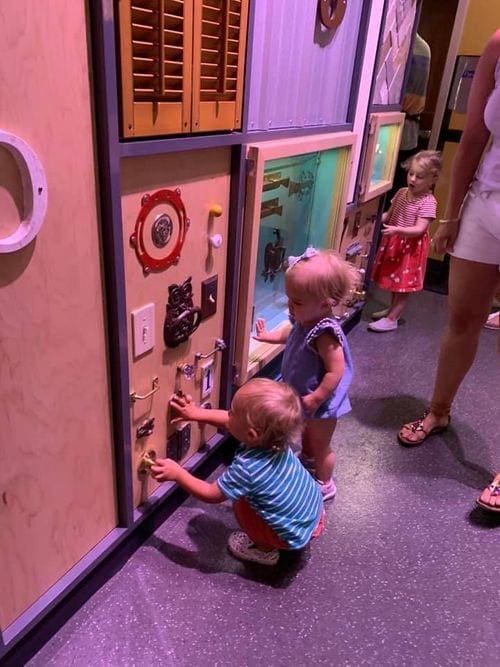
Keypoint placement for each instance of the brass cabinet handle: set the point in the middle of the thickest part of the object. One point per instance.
(134, 396)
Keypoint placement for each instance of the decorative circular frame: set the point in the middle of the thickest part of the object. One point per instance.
(332, 12)
(34, 193)
(149, 202)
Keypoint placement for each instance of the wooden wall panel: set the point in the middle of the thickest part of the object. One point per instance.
(300, 75)
(156, 63)
(203, 179)
(219, 42)
(182, 65)
(56, 473)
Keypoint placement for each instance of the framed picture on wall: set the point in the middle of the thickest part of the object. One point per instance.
(381, 154)
(394, 51)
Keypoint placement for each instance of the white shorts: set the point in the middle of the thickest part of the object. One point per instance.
(478, 237)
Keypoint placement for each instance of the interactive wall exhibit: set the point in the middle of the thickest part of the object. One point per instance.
(220, 154)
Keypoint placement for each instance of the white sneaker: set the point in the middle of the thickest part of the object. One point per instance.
(379, 314)
(242, 547)
(385, 324)
(328, 489)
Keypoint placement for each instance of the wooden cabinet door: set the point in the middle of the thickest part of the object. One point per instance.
(296, 194)
(182, 65)
(219, 39)
(156, 63)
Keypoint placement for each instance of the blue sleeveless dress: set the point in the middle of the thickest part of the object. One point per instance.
(303, 368)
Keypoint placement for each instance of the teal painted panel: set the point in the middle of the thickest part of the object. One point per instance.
(297, 201)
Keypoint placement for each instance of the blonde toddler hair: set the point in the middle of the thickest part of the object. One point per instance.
(274, 410)
(428, 161)
(323, 276)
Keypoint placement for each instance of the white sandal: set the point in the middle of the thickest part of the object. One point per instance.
(493, 321)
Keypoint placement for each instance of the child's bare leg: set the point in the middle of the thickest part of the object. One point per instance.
(399, 301)
(316, 440)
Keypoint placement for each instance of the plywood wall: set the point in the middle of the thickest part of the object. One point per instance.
(203, 179)
(56, 464)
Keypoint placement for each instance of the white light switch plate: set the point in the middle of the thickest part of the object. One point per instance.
(143, 327)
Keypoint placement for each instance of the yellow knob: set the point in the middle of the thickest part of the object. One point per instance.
(216, 210)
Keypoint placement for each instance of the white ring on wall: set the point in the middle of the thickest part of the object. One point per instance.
(34, 193)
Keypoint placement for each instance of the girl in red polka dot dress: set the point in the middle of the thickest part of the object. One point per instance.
(402, 255)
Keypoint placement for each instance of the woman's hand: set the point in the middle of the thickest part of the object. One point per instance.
(445, 235)
(165, 470)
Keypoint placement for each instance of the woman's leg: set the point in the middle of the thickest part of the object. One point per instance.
(399, 301)
(316, 440)
(471, 287)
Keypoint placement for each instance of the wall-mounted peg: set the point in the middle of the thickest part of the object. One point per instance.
(215, 240)
(216, 210)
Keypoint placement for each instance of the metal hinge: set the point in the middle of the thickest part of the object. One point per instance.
(249, 165)
(235, 373)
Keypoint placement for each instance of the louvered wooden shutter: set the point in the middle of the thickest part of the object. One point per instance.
(156, 53)
(219, 40)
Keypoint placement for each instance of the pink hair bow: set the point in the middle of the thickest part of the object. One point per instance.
(307, 254)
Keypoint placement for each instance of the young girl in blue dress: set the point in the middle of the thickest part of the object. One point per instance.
(316, 361)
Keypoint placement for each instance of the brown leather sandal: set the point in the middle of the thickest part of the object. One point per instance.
(417, 427)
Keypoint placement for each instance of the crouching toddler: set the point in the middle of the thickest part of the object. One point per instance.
(275, 500)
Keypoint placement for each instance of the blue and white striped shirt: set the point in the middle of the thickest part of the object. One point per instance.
(279, 489)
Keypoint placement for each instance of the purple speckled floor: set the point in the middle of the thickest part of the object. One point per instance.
(406, 573)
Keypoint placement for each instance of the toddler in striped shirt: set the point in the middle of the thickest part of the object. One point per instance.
(275, 500)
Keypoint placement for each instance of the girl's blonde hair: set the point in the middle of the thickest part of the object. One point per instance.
(428, 161)
(323, 276)
(274, 410)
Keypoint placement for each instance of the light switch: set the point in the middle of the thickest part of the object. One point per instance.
(143, 326)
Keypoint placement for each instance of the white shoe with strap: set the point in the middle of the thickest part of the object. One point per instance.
(385, 324)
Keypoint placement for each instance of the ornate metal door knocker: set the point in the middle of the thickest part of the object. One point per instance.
(332, 12)
(274, 257)
(166, 232)
(182, 317)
